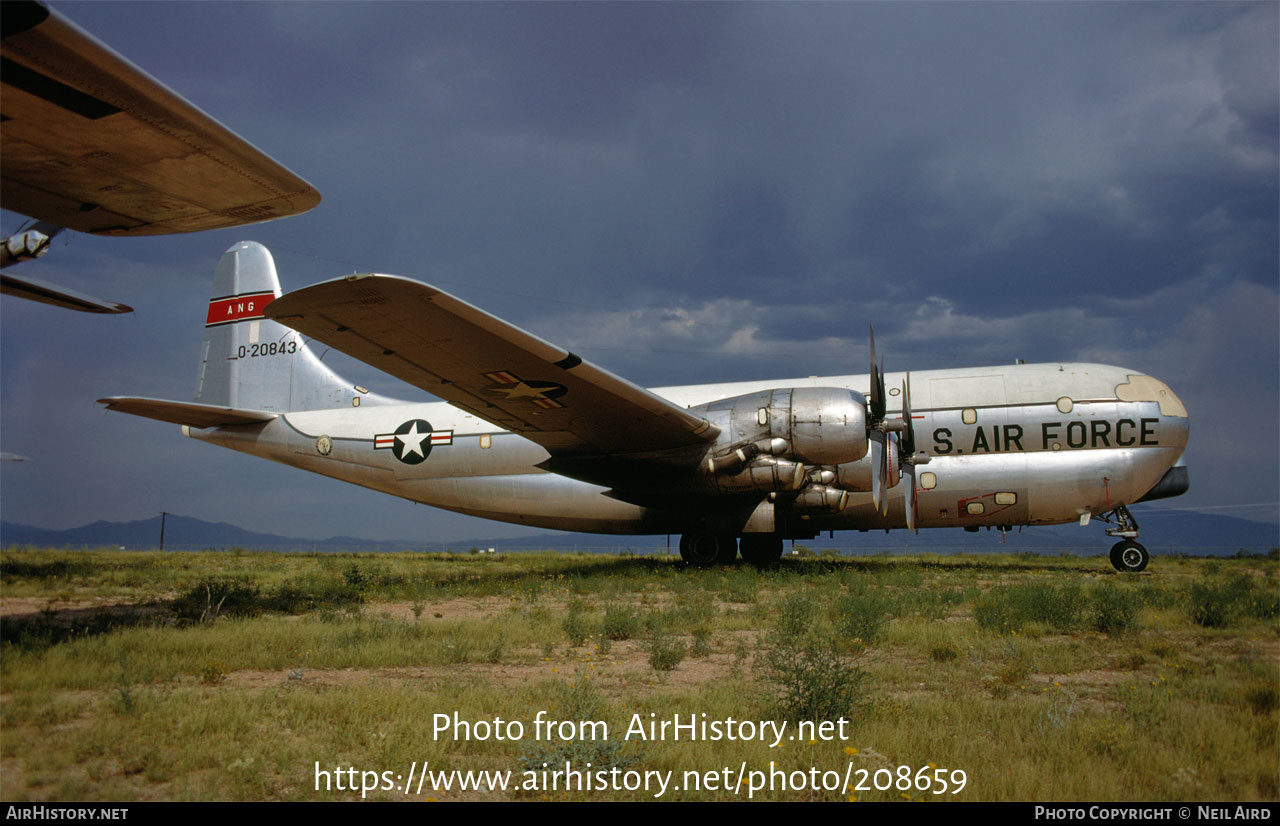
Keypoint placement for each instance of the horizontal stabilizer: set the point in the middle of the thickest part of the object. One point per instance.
(187, 413)
(495, 370)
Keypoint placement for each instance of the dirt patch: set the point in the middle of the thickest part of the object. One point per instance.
(60, 619)
(460, 608)
(12, 607)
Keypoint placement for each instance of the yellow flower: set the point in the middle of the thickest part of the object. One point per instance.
(850, 750)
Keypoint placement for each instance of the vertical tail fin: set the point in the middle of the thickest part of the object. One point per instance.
(248, 362)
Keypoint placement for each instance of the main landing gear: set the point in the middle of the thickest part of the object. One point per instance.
(1127, 556)
(702, 550)
(761, 550)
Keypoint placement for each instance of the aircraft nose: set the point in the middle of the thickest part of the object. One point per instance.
(1141, 388)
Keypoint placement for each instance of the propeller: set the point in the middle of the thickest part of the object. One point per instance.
(908, 439)
(892, 443)
(877, 439)
(877, 384)
(876, 433)
(881, 432)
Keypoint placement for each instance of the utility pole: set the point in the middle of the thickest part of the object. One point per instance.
(163, 514)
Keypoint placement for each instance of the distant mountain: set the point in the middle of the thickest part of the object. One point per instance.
(179, 532)
(1164, 531)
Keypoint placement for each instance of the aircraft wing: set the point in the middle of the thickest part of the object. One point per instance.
(488, 367)
(90, 142)
(188, 413)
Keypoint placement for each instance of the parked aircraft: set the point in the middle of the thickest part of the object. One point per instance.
(90, 142)
(533, 434)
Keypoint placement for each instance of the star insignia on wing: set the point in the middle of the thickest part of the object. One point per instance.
(510, 386)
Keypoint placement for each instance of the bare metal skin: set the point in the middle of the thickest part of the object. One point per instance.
(532, 434)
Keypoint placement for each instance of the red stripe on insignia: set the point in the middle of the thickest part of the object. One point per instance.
(238, 308)
(445, 438)
(384, 441)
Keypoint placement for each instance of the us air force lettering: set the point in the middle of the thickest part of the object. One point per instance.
(533, 434)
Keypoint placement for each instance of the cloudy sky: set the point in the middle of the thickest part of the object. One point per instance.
(689, 193)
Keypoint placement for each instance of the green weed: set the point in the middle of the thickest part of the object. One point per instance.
(806, 672)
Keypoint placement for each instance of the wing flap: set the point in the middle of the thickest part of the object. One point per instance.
(186, 413)
(488, 367)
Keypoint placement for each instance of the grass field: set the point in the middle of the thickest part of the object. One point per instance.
(247, 676)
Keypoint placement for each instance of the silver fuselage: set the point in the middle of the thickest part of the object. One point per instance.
(1032, 444)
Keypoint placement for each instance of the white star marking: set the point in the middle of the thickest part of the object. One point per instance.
(412, 441)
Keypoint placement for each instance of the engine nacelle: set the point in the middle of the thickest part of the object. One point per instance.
(810, 425)
(854, 476)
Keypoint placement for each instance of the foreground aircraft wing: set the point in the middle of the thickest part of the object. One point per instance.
(488, 367)
(90, 142)
(36, 290)
(187, 413)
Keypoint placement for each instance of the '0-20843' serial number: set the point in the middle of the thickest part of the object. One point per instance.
(272, 348)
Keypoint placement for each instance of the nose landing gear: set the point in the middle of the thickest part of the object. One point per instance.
(1127, 556)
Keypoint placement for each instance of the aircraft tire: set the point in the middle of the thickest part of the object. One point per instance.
(702, 550)
(1128, 557)
(762, 551)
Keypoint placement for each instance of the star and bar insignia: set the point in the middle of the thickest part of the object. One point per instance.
(511, 386)
(412, 441)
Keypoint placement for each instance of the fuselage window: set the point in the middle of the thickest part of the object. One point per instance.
(975, 508)
(485, 440)
(928, 480)
(969, 415)
(1006, 498)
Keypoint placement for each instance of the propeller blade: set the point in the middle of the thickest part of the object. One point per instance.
(877, 468)
(909, 479)
(909, 432)
(893, 462)
(877, 383)
(880, 387)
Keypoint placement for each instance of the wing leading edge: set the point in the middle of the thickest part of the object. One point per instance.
(488, 367)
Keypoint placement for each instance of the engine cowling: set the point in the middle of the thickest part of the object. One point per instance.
(810, 425)
(854, 476)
